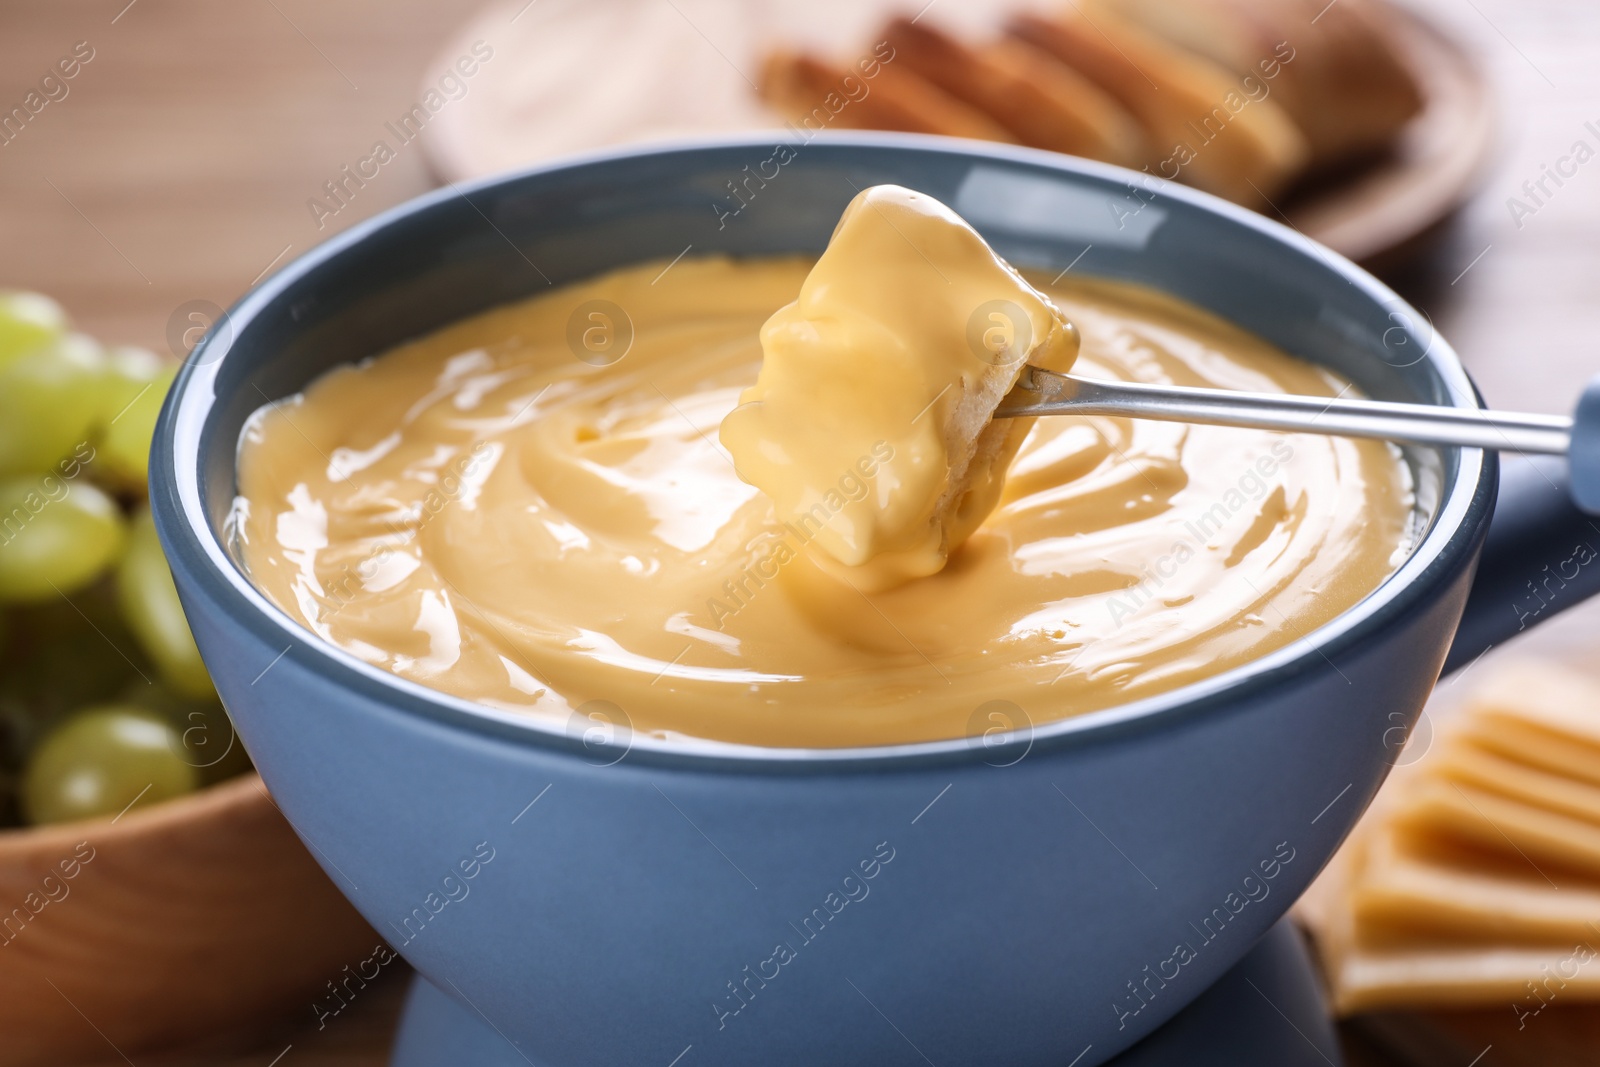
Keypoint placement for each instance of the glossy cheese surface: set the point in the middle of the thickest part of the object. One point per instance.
(531, 509)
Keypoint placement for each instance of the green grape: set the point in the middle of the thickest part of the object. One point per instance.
(9, 816)
(149, 603)
(48, 402)
(100, 761)
(28, 321)
(69, 651)
(56, 536)
(124, 449)
(209, 741)
(17, 729)
(57, 673)
(127, 371)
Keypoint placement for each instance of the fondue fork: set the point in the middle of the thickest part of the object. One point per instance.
(1042, 392)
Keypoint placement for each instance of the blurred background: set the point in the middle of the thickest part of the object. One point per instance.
(197, 147)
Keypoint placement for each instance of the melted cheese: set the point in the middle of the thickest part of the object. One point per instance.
(489, 511)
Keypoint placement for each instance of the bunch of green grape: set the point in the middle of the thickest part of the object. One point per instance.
(104, 701)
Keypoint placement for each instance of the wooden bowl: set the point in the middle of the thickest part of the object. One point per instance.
(189, 917)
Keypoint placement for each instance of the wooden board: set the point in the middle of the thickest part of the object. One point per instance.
(577, 75)
(1378, 213)
(1560, 1036)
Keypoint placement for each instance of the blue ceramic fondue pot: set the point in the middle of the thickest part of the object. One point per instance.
(1040, 897)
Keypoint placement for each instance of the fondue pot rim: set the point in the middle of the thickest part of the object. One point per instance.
(1448, 545)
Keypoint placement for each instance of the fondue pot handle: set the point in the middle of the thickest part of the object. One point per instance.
(1584, 450)
(1542, 554)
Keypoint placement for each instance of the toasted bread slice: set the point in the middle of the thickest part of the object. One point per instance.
(1205, 130)
(1044, 103)
(1333, 67)
(816, 95)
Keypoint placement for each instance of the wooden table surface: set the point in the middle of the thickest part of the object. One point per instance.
(179, 165)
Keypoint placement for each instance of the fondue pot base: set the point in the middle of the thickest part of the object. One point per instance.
(1268, 1011)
